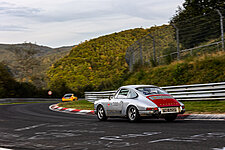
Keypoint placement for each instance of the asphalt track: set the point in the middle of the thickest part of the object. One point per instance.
(34, 126)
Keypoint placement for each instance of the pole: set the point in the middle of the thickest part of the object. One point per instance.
(221, 26)
(141, 55)
(177, 37)
(131, 60)
(154, 52)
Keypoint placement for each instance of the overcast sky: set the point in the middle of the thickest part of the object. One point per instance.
(58, 23)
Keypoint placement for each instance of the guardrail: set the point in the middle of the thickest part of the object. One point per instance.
(194, 92)
(93, 96)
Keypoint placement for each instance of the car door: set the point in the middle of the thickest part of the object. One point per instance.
(116, 104)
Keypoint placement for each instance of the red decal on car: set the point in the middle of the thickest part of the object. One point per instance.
(163, 100)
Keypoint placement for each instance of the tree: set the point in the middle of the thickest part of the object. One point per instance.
(198, 21)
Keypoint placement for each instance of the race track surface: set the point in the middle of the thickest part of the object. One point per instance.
(34, 126)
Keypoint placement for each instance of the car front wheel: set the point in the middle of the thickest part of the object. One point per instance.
(133, 114)
(101, 113)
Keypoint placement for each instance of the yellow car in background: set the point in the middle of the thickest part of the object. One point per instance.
(69, 97)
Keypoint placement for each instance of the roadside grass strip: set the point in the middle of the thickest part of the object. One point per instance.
(81, 104)
(204, 107)
(17, 103)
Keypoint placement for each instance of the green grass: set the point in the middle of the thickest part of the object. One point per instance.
(14, 103)
(81, 104)
(191, 107)
(204, 106)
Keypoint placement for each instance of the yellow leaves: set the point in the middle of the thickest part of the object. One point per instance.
(103, 57)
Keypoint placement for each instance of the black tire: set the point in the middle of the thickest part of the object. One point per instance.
(101, 113)
(133, 114)
(170, 117)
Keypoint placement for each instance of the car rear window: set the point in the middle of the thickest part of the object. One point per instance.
(151, 90)
(68, 95)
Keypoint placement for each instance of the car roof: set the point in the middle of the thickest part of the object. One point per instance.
(137, 86)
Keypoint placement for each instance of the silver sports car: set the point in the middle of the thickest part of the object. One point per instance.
(139, 101)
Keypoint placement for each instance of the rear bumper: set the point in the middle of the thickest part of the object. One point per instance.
(145, 113)
(158, 112)
(66, 100)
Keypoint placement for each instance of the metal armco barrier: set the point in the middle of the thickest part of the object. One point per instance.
(93, 96)
(194, 92)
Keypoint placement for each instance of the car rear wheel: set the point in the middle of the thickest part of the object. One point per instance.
(101, 113)
(133, 114)
(170, 117)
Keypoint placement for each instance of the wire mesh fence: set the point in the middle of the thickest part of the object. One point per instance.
(167, 43)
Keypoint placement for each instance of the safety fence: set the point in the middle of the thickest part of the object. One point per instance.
(179, 40)
(195, 92)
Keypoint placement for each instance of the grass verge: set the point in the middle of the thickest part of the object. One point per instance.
(81, 104)
(210, 107)
(199, 107)
(14, 103)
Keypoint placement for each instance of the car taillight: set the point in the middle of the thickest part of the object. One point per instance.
(183, 107)
(155, 108)
(149, 108)
(63, 97)
(152, 108)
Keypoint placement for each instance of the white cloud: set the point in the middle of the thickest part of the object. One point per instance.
(56, 22)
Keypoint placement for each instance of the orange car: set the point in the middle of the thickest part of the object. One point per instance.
(69, 97)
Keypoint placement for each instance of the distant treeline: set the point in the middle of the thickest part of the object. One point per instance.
(10, 88)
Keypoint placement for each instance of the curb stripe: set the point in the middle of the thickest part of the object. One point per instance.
(64, 108)
(54, 107)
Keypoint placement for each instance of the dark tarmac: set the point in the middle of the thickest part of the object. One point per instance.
(34, 126)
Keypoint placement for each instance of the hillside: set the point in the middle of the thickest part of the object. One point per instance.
(208, 68)
(98, 64)
(28, 62)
